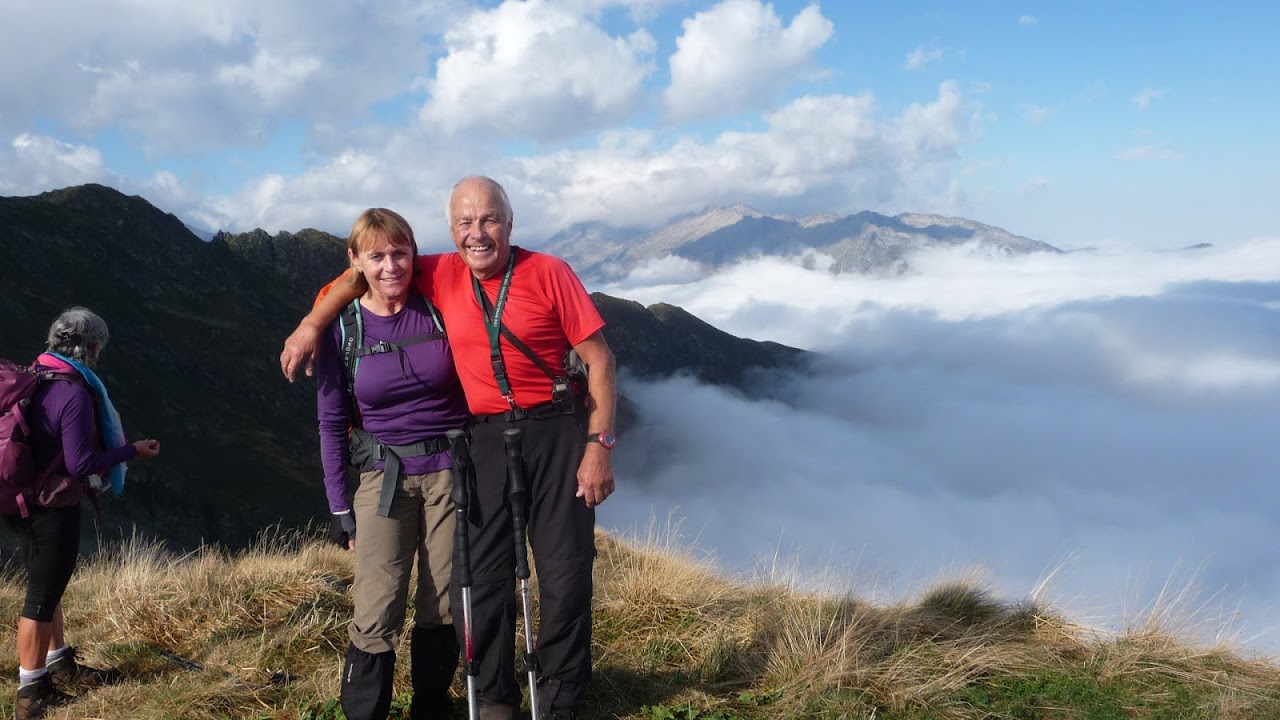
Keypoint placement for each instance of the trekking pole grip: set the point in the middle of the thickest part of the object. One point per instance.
(518, 495)
(461, 496)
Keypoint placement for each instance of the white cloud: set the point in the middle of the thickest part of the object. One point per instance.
(270, 78)
(194, 76)
(1028, 20)
(330, 196)
(738, 56)
(40, 162)
(1107, 408)
(954, 285)
(921, 56)
(533, 70)
(1140, 153)
(1143, 99)
(817, 154)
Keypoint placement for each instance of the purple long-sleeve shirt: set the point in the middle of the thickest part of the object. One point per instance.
(400, 404)
(65, 420)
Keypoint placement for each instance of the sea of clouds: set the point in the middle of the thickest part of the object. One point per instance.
(1096, 429)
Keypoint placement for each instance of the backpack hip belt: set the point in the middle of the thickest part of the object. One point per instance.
(367, 451)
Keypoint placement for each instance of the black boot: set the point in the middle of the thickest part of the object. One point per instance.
(559, 700)
(67, 672)
(36, 698)
(434, 660)
(366, 684)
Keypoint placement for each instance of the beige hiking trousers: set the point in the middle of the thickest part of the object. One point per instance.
(421, 523)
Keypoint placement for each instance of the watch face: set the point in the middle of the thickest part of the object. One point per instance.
(608, 439)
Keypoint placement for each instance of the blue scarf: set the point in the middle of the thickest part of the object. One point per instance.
(108, 420)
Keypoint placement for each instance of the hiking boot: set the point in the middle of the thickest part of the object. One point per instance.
(434, 657)
(67, 673)
(367, 684)
(35, 698)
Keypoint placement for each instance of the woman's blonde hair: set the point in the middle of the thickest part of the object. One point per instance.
(383, 223)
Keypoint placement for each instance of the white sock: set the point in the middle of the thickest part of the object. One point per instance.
(55, 654)
(26, 677)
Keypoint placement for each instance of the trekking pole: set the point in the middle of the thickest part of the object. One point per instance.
(518, 494)
(462, 471)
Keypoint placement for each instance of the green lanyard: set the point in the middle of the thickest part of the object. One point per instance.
(493, 324)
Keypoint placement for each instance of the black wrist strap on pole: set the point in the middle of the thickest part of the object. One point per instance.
(461, 496)
(518, 494)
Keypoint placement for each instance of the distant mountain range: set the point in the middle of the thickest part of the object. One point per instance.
(196, 330)
(867, 242)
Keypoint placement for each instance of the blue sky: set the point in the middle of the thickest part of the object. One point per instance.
(1078, 124)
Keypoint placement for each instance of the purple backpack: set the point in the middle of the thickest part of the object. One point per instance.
(20, 483)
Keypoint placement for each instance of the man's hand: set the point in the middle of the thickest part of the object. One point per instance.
(300, 351)
(595, 475)
(300, 348)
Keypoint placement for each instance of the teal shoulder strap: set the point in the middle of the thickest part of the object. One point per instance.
(352, 340)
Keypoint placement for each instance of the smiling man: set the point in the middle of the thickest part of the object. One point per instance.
(538, 300)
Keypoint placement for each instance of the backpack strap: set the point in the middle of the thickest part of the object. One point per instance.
(352, 339)
(519, 345)
(45, 374)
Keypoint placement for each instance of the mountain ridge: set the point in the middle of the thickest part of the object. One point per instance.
(865, 242)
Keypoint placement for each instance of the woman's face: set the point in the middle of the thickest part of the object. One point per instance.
(386, 267)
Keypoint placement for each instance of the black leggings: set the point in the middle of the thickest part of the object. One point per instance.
(49, 544)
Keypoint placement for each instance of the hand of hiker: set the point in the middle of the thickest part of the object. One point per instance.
(147, 449)
(595, 475)
(299, 352)
(342, 530)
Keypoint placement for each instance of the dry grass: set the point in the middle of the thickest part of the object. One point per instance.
(267, 628)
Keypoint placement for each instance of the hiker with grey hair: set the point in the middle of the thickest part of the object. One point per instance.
(76, 442)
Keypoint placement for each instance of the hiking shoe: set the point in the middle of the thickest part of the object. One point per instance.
(35, 698)
(66, 672)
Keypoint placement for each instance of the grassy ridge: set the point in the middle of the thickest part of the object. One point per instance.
(259, 634)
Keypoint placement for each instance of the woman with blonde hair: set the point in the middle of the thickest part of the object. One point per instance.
(387, 393)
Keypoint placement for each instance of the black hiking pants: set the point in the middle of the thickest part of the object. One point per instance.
(561, 534)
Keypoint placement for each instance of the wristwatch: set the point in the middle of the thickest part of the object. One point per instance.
(605, 437)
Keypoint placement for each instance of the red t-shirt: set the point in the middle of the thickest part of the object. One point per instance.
(547, 308)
